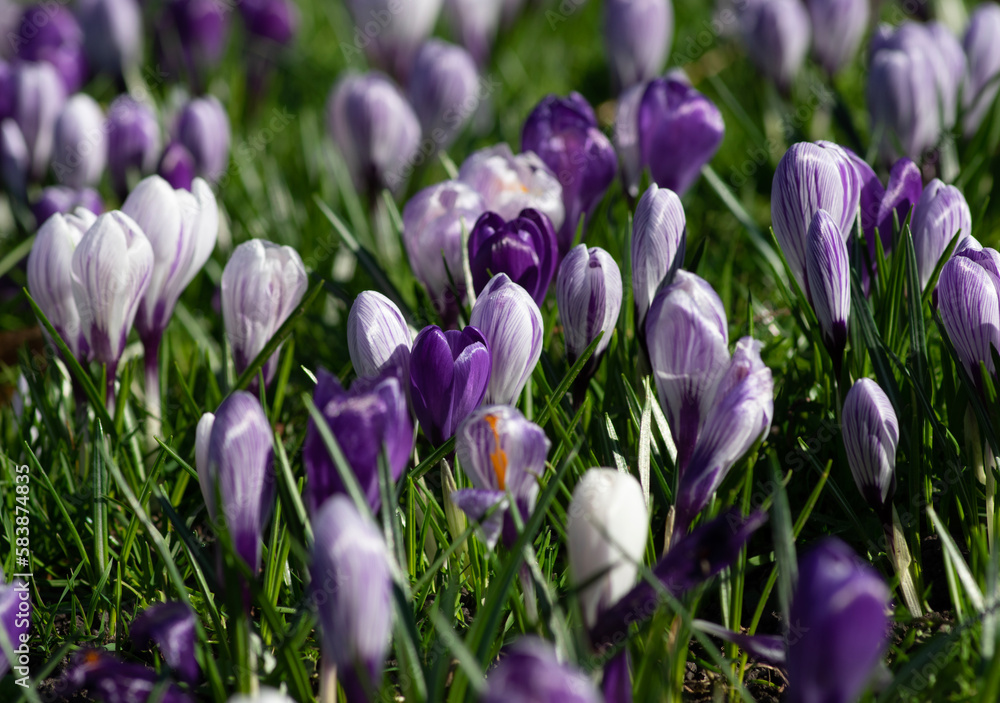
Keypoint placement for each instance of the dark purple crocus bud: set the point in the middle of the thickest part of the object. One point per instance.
(375, 130)
(968, 301)
(443, 90)
(391, 32)
(679, 132)
(63, 200)
(828, 271)
(177, 166)
(50, 33)
(659, 238)
(871, 433)
(637, 37)
(133, 141)
(840, 616)
(171, 626)
(38, 99)
(201, 28)
(203, 128)
(15, 620)
(589, 295)
(378, 338)
(524, 248)
(939, 215)
(776, 36)
(903, 102)
(983, 53)
(449, 374)
(837, 29)
(564, 134)
(106, 676)
(370, 418)
(474, 24)
(530, 672)
(113, 33)
(351, 586)
(276, 20)
(81, 151)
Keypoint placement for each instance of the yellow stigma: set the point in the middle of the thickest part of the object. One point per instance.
(498, 457)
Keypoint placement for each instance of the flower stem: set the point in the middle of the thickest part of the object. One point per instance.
(109, 394)
(328, 681)
(153, 423)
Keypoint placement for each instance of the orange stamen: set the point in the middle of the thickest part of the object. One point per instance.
(498, 457)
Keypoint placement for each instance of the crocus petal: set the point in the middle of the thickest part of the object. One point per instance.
(659, 238)
(829, 276)
(530, 672)
(476, 504)
(172, 627)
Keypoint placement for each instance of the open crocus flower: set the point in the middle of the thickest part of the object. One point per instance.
(172, 627)
(530, 672)
(524, 248)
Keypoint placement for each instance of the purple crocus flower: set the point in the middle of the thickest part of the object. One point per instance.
(512, 324)
(837, 29)
(902, 102)
(530, 672)
(839, 614)
(15, 621)
(171, 626)
(113, 681)
(203, 128)
(443, 90)
(871, 433)
(499, 451)
(679, 132)
(351, 586)
(80, 150)
(50, 33)
(983, 53)
(829, 275)
(378, 338)
(475, 24)
(939, 215)
(366, 420)
(637, 37)
(449, 374)
(133, 141)
(196, 34)
(113, 33)
(589, 294)
(563, 132)
(391, 32)
(659, 238)
(275, 20)
(63, 200)
(37, 99)
(967, 294)
(524, 248)
(880, 206)
(177, 166)
(776, 36)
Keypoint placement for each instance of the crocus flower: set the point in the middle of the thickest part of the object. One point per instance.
(659, 238)
(351, 587)
(512, 324)
(903, 102)
(637, 37)
(171, 626)
(880, 207)
(375, 129)
(274, 20)
(63, 200)
(38, 97)
(968, 293)
(443, 90)
(688, 339)
(983, 54)
(15, 621)
(871, 433)
(829, 276)
(81, 151)
(530, 672)
(194, 32)
(50, 278)
(449, 374)
(177, 166)
(203, 128)
(509, 184)
(524, 248)
(114, 681)
(812, 177)
(261, 285)
(50, 33)
(391, 32)
(589, 294)
(776, 36)
(112, 34)
(839, 614)
(370, 418)
(235, 457)
(837, 29)
(475, 24)
(679, 132)
(607, 525)
(377, 337)
(15, 161)
(133, 141)
(939, 215)
(563, 132)
(499, 451)
(626, 137)
(433, 224)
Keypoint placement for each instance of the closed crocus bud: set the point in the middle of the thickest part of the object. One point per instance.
(443, 90)
(39, 97)
(967, 299)
(391, 32)
(563, 132)
(112, 34)
(63, 200)
(530, 672)
(607, 525)
(626, 137)
(829, 275)
(589, 294)
(983, 53)
(871, 433)
(839, 612)
(202, 28)
(50, 33)
(261, 286)
(351, 586)
(370, 418)
(939, 215)
(637, 36)
(276, 20)
(524, 248)
(50, 277)
(377, 337)
(15, 618)
(15, 161)
(133, 141)
(776, 35)
(688, 339)
(837, 29)
(434, 221)
(512, 324)
(449, 373)
(203, 128)
(375, 130)
(950, 71)
(903, 102)
(81, 152)
(679, 132)
(812, 177)
(740, 415)
(475, 24)
(509, 184)
(177, 166)
(171, 626)
(659, 238)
